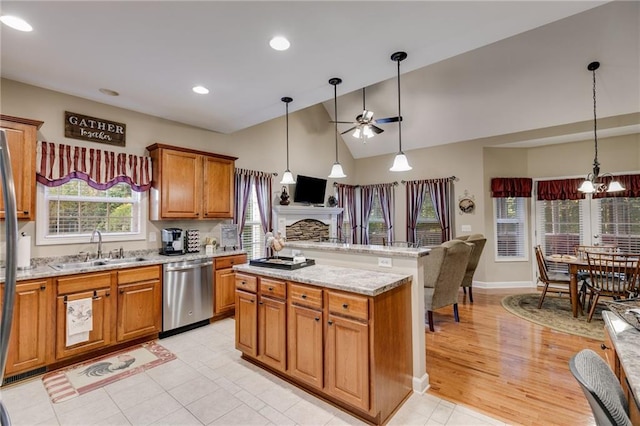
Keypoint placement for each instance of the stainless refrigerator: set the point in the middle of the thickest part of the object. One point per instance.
(10, 237)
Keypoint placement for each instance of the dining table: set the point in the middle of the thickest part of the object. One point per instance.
(575, 265)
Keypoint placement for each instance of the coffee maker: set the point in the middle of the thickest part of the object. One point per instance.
(172, 241)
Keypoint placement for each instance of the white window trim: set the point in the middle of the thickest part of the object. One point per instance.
(525, 230)
(41, 225)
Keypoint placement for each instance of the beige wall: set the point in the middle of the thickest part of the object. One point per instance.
(311, 150)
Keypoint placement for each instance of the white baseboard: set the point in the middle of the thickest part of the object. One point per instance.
(421, 384)
(496, 285)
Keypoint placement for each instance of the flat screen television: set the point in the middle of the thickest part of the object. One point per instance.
(309, 190)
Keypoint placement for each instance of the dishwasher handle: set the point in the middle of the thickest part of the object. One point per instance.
(185, 267)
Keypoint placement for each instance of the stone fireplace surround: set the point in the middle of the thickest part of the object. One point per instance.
(297, 222)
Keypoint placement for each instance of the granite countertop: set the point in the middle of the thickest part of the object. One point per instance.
(42, 268)
(360, 248)
(360, 281)
(626, 340)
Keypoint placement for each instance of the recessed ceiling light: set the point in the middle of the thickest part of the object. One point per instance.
(16, 23)
(109, 92)
(201, 90)
(279, 43)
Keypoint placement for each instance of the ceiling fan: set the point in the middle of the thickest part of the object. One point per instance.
(364, 124)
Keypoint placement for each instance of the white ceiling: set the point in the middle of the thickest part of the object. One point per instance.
(482, 68)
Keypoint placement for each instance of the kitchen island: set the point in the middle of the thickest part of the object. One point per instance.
(400, 260)
(343, 334)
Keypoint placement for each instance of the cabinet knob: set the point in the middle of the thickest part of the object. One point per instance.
(252, 301)
(345, 305)
(304, 296)
(330, 322)
(317, 318)
(270, 288)
(603, 346)
(25, 212)
(43, 287)
(243, 283)
(260, 303)
(197, 214)
(121, 291)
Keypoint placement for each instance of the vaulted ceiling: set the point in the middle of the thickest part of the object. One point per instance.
(474, 68)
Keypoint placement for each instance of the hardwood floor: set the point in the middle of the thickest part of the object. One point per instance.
(504, 366)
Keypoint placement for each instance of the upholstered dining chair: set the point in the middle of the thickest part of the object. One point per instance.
(612, 275)
(601, 388)
(556, 281)
(444, 269)
(478, 241)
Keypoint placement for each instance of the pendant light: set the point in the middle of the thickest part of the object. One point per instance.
(287, 177)
(400, 163)
(595, 182)
(336, 170)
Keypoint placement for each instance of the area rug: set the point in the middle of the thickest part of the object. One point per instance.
(78, 379)
(556, 314)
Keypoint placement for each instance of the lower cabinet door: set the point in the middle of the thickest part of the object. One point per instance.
(224, 293)
(272, 333)
(347, 361)
(139, 309)
(305, 345)
(27, 344)
(247, 323)
(100, 334)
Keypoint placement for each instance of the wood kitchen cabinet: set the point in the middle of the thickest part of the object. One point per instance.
(139, 302)
(29, 343)
(272, 323)
(22, 134)
(190, 184)
(98, 288)
(305, 334)
(247, 314)
(225, 283)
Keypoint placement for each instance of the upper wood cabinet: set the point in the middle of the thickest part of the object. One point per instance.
(189, 184)
(22, 134)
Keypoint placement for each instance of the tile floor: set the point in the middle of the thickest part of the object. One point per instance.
(209, 384)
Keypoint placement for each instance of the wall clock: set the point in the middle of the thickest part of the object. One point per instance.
(466, 203)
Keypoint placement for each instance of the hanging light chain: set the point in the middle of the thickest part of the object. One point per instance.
(596, 164)
(335, 111)
(399, 113)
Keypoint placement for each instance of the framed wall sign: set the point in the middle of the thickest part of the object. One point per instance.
(83, 127)
(229, 236)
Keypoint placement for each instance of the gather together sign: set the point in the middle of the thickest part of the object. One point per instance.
(78, 126)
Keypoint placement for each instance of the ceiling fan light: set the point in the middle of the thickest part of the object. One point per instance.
(16, 23)
(587, 187)
(367, 115)
(357, 133)
(615, 186)
(367, 132)
(337, 172)
(287, 178)
(400, 163)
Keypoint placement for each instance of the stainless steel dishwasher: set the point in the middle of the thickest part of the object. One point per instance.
(187, 295)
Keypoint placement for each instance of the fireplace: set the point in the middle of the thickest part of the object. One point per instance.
(298, 223)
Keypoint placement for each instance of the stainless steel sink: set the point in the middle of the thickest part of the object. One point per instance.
(95, 262)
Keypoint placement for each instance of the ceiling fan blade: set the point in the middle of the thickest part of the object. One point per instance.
(342, 122)
(377, 130)
(347, 131)
(387, 120)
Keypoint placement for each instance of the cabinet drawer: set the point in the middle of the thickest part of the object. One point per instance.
(146, 273)
(304, 295)
(273, 288)
(229, 261)
(350, 305)
(246, 282)
(83, 282)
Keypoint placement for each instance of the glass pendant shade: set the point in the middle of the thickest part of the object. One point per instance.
(336, 171)
(587, 187)
(357, 133)
(287, 178)
(367, 132)
(400, 163)
(615, 186)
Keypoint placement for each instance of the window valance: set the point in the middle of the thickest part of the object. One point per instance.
(511, 187)
(631, 184)
(560, 189)
(57, 164)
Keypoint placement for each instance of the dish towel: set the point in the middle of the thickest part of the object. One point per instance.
(79, 320)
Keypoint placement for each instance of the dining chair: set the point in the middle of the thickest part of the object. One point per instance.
(478, 241)
(612, 275)
(444, 269)
(558, 282)
(581, 250)
(601, 388)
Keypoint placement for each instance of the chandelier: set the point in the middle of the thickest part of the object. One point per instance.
(596, 182)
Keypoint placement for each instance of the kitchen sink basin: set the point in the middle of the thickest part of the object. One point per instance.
(95, 262)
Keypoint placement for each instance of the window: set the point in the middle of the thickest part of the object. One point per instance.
(253, 242)
(428, 227)
(619, 221)
(560, 226)
(73, 210)
(510, 228)
(377, 227)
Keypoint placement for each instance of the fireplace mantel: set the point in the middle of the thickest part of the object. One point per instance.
(288, 215)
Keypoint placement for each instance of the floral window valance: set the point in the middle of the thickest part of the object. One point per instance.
(511, 187)
(57, 164)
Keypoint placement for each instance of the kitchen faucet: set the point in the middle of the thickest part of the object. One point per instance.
(95, 231)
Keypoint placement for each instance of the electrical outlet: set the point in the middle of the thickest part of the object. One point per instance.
(152, 237)
(466, 228)
(384, 262)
